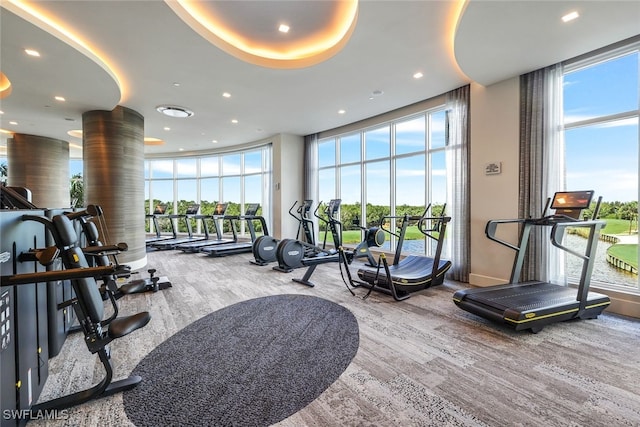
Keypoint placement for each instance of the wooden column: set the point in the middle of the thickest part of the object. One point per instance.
(40, 164)
(113, 157)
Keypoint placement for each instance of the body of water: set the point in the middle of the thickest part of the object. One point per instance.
(603, 272)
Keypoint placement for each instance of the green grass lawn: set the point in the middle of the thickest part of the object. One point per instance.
(627, 253)
(616, 226)
(350, 237)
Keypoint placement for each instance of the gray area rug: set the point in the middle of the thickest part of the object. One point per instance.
(253, 363)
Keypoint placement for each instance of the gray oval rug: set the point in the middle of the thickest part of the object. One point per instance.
(253, 363)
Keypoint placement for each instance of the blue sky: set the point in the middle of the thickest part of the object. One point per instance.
(603, 157)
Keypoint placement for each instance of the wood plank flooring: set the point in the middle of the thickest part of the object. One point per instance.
(421, 362)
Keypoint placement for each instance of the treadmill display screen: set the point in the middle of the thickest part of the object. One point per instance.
(160, 209)
(572, 200)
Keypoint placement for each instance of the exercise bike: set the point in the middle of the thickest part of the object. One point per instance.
(264, 247)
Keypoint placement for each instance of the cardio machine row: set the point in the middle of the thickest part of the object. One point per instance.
(212, 241)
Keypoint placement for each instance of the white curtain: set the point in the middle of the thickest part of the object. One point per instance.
(458, 198)
(541, 166)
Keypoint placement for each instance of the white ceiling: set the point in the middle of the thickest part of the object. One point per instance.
(150, 48)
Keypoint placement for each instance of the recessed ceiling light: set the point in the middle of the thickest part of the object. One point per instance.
(341, 111)
(167, 128)
(377, 92)
(32, 52)
(1, 112)
(570, 16)
(180, 149)
(174, 111)
(176, 84)
(60, 98)
(226, 95)
(283, 28)
(215, 141)
(234, 121)
(418, 75)
(12, 122)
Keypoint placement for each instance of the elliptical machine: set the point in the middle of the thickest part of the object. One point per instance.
(264, 247)
(292, 254)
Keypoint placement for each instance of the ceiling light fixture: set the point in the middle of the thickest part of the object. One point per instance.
(341, 111)
(148, 140)
(174, 111)
(226, 95)
(32, 52)
(418, 75)
(570, 16)
(283, 28)
(60, 98)
(45, 21)
(234, 121)
(297, 52)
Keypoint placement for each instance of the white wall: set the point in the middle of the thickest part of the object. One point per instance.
(288, 179)
(494, 138)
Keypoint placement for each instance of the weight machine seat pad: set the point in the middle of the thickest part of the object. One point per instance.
(133, 287)
(122, 326)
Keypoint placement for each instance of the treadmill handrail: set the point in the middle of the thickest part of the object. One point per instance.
(557, 232)
(492, 226)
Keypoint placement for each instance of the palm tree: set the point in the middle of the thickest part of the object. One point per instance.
(76, 190)
(4, 172)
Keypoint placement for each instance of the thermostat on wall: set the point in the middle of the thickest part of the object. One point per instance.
(493, 168)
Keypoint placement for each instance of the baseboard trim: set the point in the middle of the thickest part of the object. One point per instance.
(483, 281)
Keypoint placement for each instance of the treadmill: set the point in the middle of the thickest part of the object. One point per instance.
(160, 211)
(414, 272)
(218, 217)
(535, 304)
(192, 212)
(232, 248)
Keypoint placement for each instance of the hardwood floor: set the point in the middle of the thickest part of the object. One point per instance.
(421, 362)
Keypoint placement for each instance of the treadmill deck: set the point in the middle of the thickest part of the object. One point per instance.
(530, 304)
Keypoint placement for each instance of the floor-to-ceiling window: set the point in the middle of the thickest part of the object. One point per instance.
(389, 169)
(601, 96)
(236, 178)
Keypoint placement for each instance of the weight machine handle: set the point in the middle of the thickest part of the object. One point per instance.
(52, 276)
